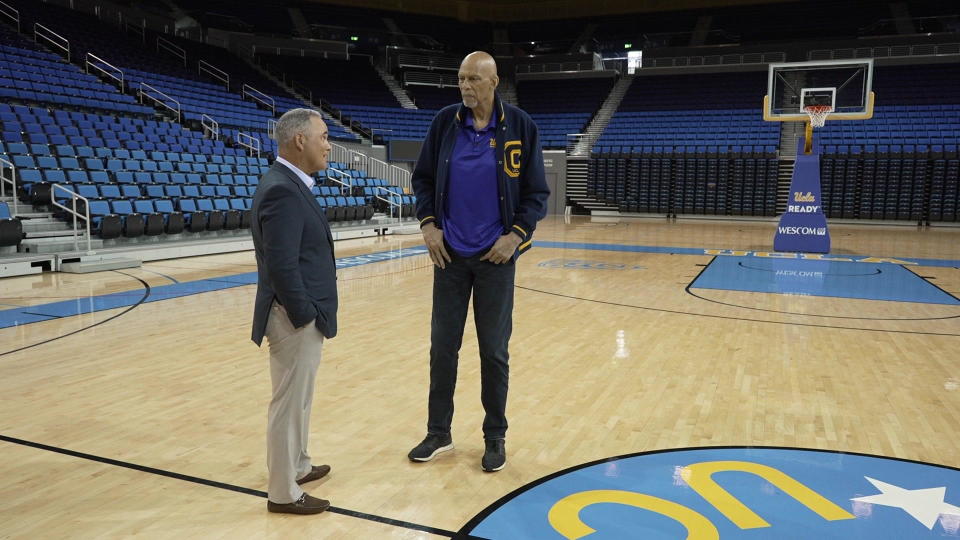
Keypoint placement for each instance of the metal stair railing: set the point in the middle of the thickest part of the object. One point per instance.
(210, 126)
(11, 13)
(55, 39)
(172, 48)
(98, 63)
(12, 180)
(215, 72)
(142, 92)
(72, 210)
(256, 95)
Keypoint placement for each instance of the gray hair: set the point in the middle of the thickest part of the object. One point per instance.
(292, 122)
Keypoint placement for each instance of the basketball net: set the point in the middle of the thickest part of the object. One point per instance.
(818, 114)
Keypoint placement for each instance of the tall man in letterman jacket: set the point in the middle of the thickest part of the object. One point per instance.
(480, 190)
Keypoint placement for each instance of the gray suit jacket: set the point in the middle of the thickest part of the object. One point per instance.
(294, 249)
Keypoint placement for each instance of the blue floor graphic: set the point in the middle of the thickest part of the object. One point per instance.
(91, 304)
(866, 281)
(911, 287)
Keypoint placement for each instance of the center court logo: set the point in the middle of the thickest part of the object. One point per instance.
(713, 493)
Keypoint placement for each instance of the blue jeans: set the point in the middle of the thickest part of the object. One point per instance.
(492, 289)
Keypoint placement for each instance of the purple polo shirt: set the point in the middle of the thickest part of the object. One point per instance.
(471, 220)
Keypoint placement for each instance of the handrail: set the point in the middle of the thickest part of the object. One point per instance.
(214, 72)
(271, 128)
(439, 80)
(396, 176)
(243, 137)
(340, 154)
(252, 92)
(302, 90)
(172, 48)
(211, 126)
(885, 51)
(64, 43)
(85, 216)
(389, 200)
(714, 59)
(359, 160)
(4, 165)
(11, 12)
(428, 62)
(138, 29)
(401, 177)
(88, 64)
(141, 93)
(349, 184)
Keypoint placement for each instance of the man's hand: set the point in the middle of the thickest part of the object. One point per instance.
(434, 240)
(503, 250)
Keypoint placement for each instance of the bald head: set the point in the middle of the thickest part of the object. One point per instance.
(478, 80)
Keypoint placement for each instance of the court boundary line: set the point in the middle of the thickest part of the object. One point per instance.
(146, 294)
(705, 299)
(928, 278)
(216, 484)
(727, 317)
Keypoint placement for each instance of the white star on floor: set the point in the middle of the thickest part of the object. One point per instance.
(925, 505)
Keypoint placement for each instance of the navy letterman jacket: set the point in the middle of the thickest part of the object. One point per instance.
(522, 184)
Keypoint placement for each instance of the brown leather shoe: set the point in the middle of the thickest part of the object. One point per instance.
(316, 472)
(304, 505)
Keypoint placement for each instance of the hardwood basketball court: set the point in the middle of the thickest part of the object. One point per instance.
(149, 418)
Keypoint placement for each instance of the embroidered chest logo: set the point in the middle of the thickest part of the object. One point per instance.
(511, 161)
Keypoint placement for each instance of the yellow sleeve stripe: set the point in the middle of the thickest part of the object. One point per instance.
(519, 228)
(422, 221)
(525, 244)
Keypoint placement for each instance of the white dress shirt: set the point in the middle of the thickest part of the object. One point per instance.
(304, 177)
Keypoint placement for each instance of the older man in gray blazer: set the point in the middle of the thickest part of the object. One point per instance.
(296, 305)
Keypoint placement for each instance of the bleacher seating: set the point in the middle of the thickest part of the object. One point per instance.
(691, 144)
(176, 77)
(902, 163)
(28, 74)
(562, 106)
(392, 123)
(432, 98)
(340, 82)
(686, 179)
(11, 230)
(122, 162)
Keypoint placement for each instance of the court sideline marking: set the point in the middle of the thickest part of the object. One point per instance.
(220, 485)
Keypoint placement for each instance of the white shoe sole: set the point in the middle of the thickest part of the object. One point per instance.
(435, 452)
(494, 470)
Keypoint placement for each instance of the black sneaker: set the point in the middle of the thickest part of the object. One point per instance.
(432, 445)
(495, 455)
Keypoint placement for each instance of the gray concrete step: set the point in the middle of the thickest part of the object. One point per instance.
(42, 225)
(51, 233)
(56, 244)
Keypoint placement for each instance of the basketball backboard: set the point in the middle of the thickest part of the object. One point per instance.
(846, 86)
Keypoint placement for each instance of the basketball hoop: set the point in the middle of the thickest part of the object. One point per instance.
(818, 114)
